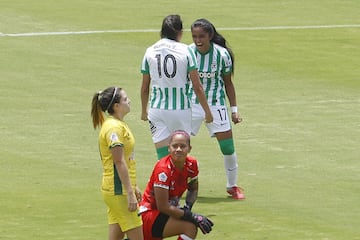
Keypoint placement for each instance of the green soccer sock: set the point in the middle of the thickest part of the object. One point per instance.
(162, 152)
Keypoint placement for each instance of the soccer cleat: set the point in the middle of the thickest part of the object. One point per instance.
(236, 193)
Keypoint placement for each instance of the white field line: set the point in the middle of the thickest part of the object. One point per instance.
(30, 34)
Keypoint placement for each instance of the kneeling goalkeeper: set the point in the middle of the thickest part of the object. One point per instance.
(160, 209)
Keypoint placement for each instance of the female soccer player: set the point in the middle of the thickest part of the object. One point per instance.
(215, 61)
(165, 68)
(171, 177)
(116, 145)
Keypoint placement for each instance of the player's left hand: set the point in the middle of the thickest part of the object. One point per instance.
(209, 117)
(132, 202)
(202, 222)
(138, 194)
(236, 118)
(144, 116)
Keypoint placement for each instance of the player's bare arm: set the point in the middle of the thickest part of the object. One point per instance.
(144, 93)
(163, 205)
(231, 94)
(122, 169)
(192, 193)
(199, 91)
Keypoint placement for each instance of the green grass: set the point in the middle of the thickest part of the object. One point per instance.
(298, 91)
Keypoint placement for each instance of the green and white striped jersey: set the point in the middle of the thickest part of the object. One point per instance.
(168, 62)
(212, 66)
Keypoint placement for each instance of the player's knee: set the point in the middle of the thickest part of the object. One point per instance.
(189, 231)
(227, 146)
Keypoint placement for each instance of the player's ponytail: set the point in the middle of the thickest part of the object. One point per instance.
(103, 101)
(96, 111)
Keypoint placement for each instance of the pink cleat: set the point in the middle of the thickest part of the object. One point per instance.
(236, 193)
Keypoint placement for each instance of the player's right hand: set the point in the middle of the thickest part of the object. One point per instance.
(144, 116)
(209, 118)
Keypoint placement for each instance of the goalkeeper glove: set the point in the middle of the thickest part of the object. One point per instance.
(187, 206)
(200, 221)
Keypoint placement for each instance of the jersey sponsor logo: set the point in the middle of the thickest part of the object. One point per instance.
(206, 74)
(162, 177)
(114, 137)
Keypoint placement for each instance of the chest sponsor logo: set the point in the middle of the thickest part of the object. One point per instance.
(206, 74)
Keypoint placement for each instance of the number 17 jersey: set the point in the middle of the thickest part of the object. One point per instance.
(168, 63)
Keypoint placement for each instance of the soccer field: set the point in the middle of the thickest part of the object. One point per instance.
(297, 78)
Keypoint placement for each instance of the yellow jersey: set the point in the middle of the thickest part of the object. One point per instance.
(115, 132)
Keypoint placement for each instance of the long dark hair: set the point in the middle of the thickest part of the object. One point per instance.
(217, 38)
(171, 27)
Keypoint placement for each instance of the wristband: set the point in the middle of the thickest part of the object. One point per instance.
(234, 109)
(188, 205)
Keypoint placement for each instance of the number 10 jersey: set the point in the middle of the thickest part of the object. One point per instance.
(168, 63)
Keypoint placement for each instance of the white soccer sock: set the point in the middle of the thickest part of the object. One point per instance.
(185, 237)
(231, 168)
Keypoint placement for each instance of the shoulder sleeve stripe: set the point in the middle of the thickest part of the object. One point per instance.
(161, 186)
(116, 144)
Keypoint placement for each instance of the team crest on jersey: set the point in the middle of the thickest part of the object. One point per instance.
(114, 137)
(213, 67)
(162, 177)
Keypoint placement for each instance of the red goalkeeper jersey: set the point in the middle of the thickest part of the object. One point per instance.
(166, 175)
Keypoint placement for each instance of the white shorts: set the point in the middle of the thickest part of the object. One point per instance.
(221, 121)
(164, 122)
